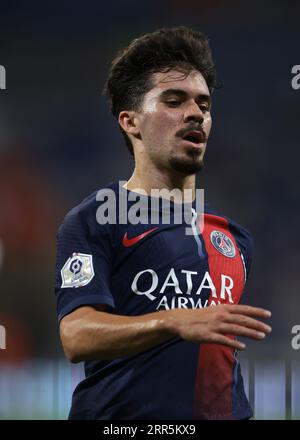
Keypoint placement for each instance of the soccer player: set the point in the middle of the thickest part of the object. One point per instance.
(151, 309)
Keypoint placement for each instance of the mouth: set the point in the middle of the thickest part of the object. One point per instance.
(195, 137)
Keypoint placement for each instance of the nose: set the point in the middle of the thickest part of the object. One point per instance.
(193, 113)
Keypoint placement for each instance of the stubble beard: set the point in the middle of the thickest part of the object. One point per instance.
(191, 164)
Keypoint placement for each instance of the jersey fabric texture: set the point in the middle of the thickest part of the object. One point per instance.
(140, 268)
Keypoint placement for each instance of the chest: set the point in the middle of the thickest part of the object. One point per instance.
(169, 266)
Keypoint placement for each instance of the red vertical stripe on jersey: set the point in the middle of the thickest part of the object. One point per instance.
(213, 388)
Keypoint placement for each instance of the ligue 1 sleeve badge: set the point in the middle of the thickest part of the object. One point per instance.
(223, 244)
(78, 271)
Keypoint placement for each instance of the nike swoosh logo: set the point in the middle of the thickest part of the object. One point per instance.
(127, 242)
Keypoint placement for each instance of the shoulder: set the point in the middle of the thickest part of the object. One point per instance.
(84, 215)
(241, 234)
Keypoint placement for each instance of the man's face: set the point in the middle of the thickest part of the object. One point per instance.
(175, 121)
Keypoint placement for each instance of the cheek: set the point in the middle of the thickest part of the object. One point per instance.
(207, 125)
(159, 125)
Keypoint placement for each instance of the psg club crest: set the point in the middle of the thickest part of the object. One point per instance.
(223, 244)
(78, 271)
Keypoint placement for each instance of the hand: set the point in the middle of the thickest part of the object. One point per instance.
(212, 324)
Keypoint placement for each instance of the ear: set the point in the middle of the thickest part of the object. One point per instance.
(129, 122)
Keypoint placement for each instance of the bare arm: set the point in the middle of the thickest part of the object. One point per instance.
(89, 333)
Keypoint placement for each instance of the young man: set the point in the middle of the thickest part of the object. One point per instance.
(152, 310)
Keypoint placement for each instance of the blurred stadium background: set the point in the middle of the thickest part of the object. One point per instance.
(59, 143)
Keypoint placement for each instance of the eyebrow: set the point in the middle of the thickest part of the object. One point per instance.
(183, 94)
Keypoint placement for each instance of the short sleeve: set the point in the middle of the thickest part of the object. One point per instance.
(83, 264)
(245, 244)
(246, 249)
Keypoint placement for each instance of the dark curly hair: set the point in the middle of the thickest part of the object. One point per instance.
(130, 73)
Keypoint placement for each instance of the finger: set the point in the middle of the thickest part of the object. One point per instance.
(217, 338)
(238, 330)
(249, 311)
(246, 321)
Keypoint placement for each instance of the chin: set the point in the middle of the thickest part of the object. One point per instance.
(187, 166)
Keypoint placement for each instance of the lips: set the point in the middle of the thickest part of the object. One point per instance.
(194, 136)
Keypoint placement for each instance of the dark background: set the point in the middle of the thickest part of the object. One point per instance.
(59, 143)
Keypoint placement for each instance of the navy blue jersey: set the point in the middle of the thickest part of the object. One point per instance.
(140, 268)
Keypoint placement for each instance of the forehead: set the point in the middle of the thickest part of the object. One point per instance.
(192, 83)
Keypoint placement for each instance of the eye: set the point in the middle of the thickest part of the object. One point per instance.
(173, 102)
(204, 108)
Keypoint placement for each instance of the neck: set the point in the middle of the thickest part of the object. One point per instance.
(152, 178)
